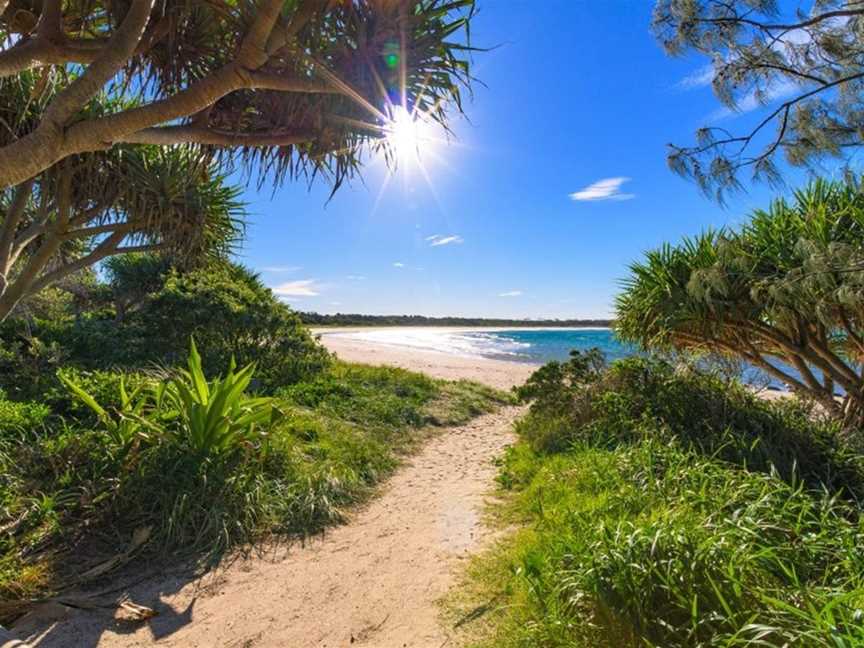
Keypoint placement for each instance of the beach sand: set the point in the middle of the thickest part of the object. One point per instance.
(496, 373)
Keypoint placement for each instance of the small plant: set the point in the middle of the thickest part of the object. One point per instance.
(217, 417)
(128, 423)
(20, 417)
(210, 418)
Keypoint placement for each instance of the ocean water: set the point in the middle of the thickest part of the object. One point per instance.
(520, 345)
(536, 346)
(543, 345)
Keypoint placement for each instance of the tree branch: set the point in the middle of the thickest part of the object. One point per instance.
(768, 27)
(253, 50)
(88, 232)
(10, 228)
(40, 258)
(53, 140)
(106, 248)
(166, 135)
(34, 229)
(121, 46)
(49, 26)
(783, 109)
(38, 51)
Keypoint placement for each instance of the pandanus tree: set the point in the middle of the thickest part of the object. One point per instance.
(87, 208)
(785, 292)
(271, 88)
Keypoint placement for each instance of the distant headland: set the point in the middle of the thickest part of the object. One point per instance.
(355, 319)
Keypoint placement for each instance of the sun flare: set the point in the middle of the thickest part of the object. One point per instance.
(406, 135)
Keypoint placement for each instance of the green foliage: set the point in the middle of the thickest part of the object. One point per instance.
(231, 314)
(225, 307)
(217, 416)
(328, 41)
(393, 397)
(18, 417)
(678, 510)
(555, 385)
(461, 400)
(203, 465)
(810, 50)
(785, 291)
(361, 393)
(360, 319)
(646, 398)
(103, 387)
(651, 545)
(211, 419)
(133, 277)
(27, 363)
(171, 200)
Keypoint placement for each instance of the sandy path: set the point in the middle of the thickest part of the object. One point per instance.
(374, 581)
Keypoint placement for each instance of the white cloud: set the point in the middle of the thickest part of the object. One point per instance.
(300, 288)
(437, 239)
(281, 268)
(398, 264)
(699, 78)
(511, 293)
(605, 189)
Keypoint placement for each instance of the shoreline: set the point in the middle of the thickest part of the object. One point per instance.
(448, 365)
(501, 374)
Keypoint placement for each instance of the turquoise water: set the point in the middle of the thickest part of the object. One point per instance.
(521, 345)
(542, 345)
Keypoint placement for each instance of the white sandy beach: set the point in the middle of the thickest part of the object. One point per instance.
(497, 373)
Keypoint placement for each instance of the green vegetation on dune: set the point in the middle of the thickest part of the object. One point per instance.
(392, 396)
(661, 506)
(783, 292)
(144, 315)
(111, 431)
(155, 459)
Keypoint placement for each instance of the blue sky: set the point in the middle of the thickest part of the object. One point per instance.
(578, 92)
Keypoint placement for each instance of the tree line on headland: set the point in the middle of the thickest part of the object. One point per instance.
(357, 319)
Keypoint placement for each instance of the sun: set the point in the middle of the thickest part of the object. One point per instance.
(406, 135)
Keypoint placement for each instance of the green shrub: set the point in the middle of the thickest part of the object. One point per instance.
(20, 417)
(665, 506)
(102, 385)
(363, 394)
(224, 307)
(232, 315)
(27, 363)
(201, 464)
(641, 398)
(392, 397)
(652, 545)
